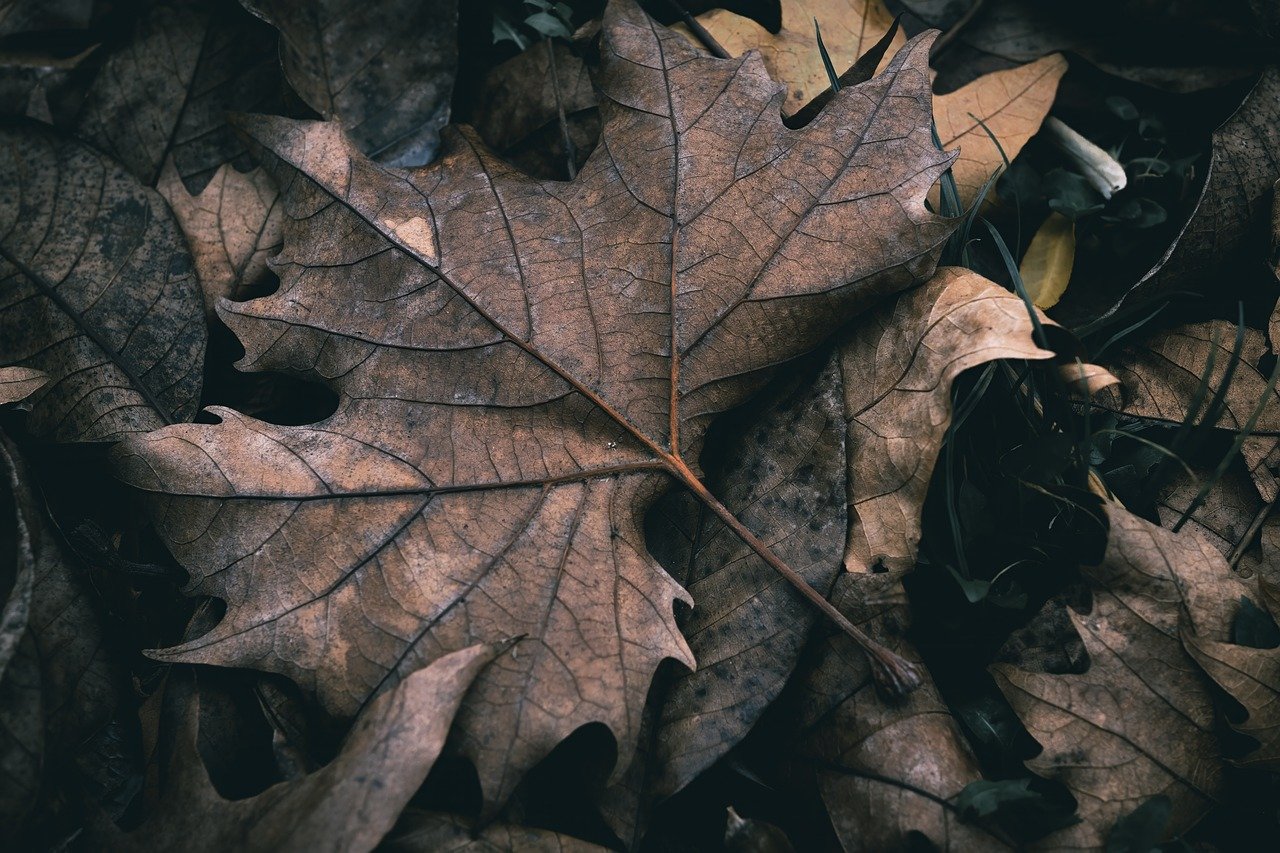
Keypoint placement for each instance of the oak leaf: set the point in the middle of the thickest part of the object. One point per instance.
(1011, 103)
(348, 805)
(521, 367)
(382, 68)
(1140, 721)
(98, 292)
(1161, 376)
(1251, 677)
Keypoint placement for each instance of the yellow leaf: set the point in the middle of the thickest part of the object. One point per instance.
(1046, 267)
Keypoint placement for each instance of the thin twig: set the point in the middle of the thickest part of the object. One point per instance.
(700, 32)
(1247, 539)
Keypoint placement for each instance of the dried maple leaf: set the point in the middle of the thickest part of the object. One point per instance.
(521, 367)
(382, 68)
(1011, 103)
(347, 805)
(98, 292)
(1160, 378)
(1251, 677)
(232, 226)
(1140, 721)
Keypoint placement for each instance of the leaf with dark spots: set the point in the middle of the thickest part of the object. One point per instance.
(521, 368)
(348, 805)
(166, 91)
(19, 383)
(383, 69)
(98, 292)
(1139, 722)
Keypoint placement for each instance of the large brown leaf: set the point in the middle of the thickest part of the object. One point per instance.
(382, 68)
(97, 292)
(428, 832)
(348, 805)
(1140, 721)
(521, 367)
(1252, 677)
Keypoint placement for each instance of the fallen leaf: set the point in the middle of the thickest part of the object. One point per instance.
(19, 383)
(166, 91)
(1046, 266)
(1224, 518)
(1126, 40)
(383, 69)
(849, 29)
(40, 85)
(99, 292)
(509, 405)
(57, 686)
(518, 110)
(233, 226)
(429, 832)
(1160, 378)
(24, 16)
(898, 400)
(1140, 721)
(1223, 227)
(1011, 103)
(348, 805)
(1251, 677)
(886, 772)
(746, 835)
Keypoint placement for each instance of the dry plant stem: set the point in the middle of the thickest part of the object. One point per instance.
(1237, 553)
(894, 674)
(699, 31)
(570, 156)
(949, 37)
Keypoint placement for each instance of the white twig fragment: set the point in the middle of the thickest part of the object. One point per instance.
(1099, 168)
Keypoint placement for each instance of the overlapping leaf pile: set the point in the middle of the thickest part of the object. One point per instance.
(683, 436)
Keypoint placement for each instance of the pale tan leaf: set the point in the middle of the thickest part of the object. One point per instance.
(1012, 104)
(1140, 721)
(233, 226)
(849, 29)
(1046, 266)
(899, 365)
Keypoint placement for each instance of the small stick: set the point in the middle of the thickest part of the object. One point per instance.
(700, 32)
(953, 32)
(570, 154)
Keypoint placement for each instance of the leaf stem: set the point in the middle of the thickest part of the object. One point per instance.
(893, 673)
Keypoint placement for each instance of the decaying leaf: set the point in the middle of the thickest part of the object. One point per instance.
(383, 69)
(1225, 518)
(99, 293)
(57, 685)
(1223, 226)
(898, 370)
(1011, 103)
(37, 84)
(1046, 266)
(1252, 678)
(22, 16)
(521, 366)
(784, 479)
(1140, 721)
(19, 383)
(428, 832)
(849, 29)
(348, 805)
(233, 226)
(1160, 378)
(165, 93)
(885, 771)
